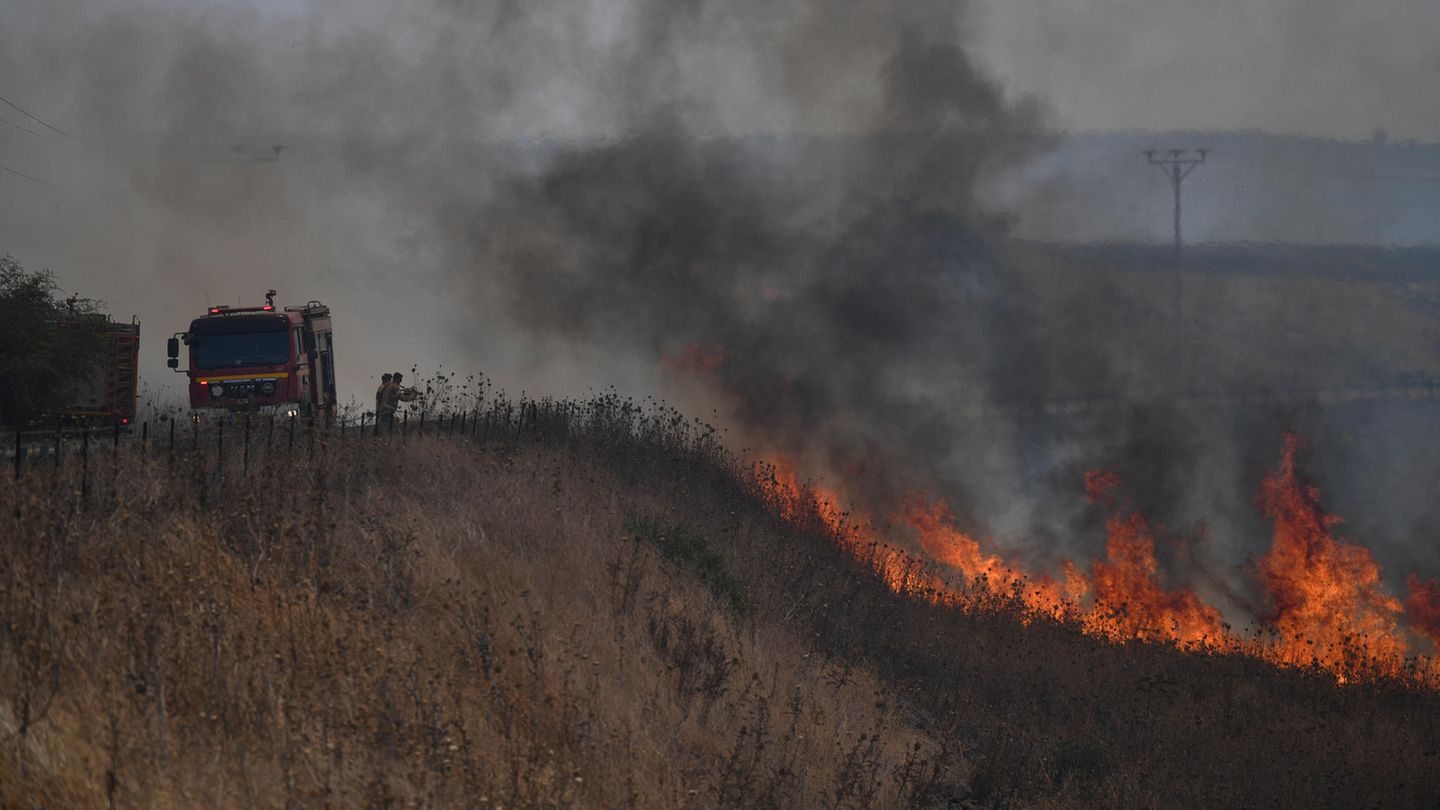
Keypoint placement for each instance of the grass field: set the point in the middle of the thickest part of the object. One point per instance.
(1241, 332)
(588, 605)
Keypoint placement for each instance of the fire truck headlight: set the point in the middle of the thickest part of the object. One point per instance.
(268, 387)
(216, 390)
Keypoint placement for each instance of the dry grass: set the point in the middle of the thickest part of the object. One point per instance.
(574, 605)
(428, 624)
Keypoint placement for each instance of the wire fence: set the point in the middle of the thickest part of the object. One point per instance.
(255, 437)
(204, 453)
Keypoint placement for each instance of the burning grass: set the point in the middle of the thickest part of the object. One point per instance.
(1328, 608)
(593, 604)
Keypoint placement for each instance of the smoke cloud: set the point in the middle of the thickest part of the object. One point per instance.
(772, 212)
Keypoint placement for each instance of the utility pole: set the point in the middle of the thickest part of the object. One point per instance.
(1177, 167)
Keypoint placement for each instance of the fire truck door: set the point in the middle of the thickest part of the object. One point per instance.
(302, 367)
(326, 368)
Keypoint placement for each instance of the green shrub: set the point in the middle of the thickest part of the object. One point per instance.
(683, 546)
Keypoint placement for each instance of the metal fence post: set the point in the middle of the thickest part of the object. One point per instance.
(247, 444)
(84, 465)
(292, 432)
(115, 464)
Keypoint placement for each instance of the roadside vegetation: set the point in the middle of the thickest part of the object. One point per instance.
(585, 604)
(48, 342)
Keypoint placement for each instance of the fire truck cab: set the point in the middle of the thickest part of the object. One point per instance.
(254, 358)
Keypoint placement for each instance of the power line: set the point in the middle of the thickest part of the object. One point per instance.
(28, 177)
(14, 106)
(23, 129)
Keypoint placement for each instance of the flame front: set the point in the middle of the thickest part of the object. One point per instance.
(1327, 603)
(1129, 601)
(986, 574)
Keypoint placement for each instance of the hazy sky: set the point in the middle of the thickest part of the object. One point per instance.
(1317, 67)
(1297, 66)
(161, 97)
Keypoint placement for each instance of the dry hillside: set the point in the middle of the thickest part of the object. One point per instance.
(583, 605)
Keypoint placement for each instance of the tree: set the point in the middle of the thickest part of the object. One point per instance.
(49, 345)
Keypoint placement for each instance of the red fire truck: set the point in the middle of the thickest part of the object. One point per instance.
(107, 395)
(254, 358)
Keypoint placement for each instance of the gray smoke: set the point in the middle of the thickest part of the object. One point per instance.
(768, 211)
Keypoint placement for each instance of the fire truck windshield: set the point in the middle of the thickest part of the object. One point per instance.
(240, 349)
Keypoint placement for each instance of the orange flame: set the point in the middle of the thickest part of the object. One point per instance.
(808, 504)
(1329, 606)
(1129, 600)
(988, 576)
(1422, 606)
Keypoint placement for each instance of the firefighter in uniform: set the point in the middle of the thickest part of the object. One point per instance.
(380, 393)
(391, 395)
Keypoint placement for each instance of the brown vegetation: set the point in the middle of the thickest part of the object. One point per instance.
(585, 606)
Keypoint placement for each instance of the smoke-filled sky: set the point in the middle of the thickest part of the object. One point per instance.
(1295, 66)
(771, 210)
(1315, 67)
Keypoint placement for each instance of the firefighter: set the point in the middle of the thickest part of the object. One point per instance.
(391, 395)
(380, 392)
